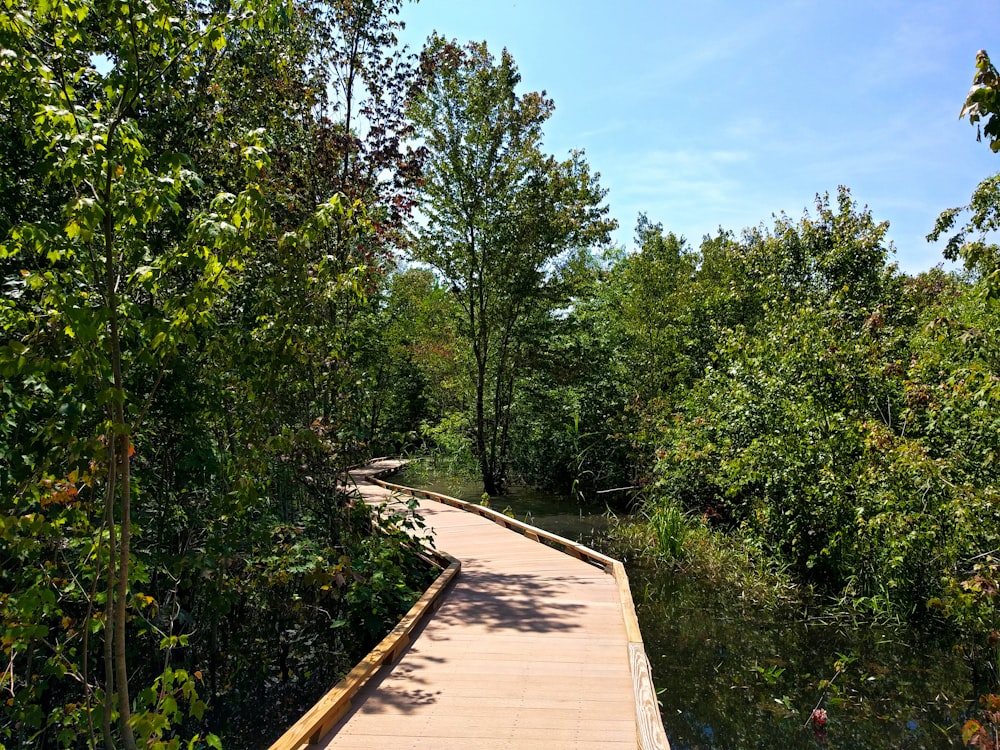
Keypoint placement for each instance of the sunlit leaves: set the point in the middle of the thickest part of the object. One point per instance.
(180, 275)
(974, 242)
(106, 287)
(982, 104)
(500, 215)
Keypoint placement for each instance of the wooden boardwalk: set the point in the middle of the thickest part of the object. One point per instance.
(529, 648)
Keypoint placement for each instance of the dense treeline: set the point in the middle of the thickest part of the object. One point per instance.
(192, 233)
(789, 384)
(786, 385)
(205, 320)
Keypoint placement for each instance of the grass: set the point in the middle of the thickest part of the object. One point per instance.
(666, 536)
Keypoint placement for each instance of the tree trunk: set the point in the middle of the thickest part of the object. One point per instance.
(109, 603)
(119, 478)
(485, 465)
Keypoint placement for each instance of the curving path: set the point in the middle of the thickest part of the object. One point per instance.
(528, 649)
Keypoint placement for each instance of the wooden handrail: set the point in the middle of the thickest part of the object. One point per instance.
(649, 724)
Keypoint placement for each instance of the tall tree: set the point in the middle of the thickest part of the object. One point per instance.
(122, 289)
(973, 242)
(499, 214)
(646, 294)
(982, 103)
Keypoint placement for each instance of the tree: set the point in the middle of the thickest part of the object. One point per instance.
(827, 426)
(182, 244)
(408, 353)
(982, 103)
(972, 242)
(648, 299)
(572, 427)
(499, 214)
(108, 287)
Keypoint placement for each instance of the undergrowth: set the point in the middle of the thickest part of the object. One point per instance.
(673, 540)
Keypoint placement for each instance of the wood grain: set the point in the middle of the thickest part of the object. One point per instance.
(318, 720)
(535, 645)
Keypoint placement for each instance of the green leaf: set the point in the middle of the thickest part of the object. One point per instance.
(217, 39)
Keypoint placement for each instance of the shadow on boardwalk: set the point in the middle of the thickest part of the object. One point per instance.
(520, 602)
(519, 605)
(527, 649)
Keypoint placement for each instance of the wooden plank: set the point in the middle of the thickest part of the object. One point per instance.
(572, 548)
(649, 723)
(332, 707)
(482, 743)
(628, 606)
(528, 650)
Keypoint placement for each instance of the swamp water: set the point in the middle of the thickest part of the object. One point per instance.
(733, 675)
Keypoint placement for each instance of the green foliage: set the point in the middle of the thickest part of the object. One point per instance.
(182, 273)
(417, 380)
(972, 242)
(647, 300)
(202, 326)
(108, 285)
(386, 570)
(164, 698)
(500, 216)
(572, 428)
(449, 443)
(982, 104)
(670, 526)
(844, 426)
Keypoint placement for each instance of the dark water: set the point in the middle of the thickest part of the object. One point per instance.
(734, 675)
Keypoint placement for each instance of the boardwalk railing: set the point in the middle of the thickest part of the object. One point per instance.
(649, 724)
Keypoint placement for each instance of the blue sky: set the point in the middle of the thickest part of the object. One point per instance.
(712, 113)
